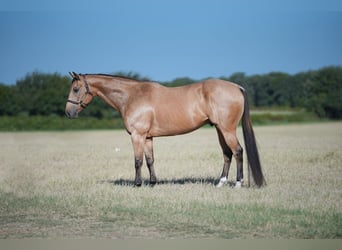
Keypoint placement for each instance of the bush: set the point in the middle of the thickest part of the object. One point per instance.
(30, 123)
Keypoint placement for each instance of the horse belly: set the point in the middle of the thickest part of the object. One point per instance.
(176, 122)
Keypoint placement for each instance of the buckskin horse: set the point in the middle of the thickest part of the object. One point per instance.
(149, 109)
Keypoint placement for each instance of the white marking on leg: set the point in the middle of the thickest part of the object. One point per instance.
(238, 184)
(222, 181)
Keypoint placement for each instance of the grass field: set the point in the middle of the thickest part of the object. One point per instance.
(79, 185)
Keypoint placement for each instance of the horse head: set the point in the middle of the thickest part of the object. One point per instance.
(80, 95)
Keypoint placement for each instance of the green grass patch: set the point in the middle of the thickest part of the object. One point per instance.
(32, 123)
(187, 220)
(281, 116)
(231, 221)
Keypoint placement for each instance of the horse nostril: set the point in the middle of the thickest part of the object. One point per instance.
(71, 112)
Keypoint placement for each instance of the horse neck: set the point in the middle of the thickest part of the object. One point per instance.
(113, 91)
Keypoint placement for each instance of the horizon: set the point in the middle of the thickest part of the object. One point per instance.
(126, 74)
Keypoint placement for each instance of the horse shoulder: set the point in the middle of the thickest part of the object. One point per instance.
(140, 108)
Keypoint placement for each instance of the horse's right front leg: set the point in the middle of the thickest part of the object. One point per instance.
(138, 142)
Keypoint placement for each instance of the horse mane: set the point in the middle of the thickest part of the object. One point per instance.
(119, 76)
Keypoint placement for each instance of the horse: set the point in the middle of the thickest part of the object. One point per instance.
(149, 110)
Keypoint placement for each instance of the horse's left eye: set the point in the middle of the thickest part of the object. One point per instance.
(75, 89)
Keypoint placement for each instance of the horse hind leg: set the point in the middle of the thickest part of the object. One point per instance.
(227, 156)
(238, 156)
(239, 165)
(237, 151)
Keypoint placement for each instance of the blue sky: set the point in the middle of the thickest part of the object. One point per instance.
(164, 40)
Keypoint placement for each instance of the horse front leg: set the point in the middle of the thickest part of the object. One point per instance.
(150, 160)
(138, 142)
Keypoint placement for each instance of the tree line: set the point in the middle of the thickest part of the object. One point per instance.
(318, 91)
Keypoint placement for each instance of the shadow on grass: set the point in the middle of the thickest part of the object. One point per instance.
(180, 181)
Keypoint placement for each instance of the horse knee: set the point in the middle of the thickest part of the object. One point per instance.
(149, 161)
(138, 162)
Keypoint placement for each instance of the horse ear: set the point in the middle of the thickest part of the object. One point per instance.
(74, 75)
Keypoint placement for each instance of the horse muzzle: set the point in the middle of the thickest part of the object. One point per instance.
(71, 111)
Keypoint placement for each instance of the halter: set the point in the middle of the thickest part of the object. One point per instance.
(88, 92)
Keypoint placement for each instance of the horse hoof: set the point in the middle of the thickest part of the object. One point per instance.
(222, 181)
(238, 185)
(220, 184)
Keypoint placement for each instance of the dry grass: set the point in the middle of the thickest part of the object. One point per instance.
(79, 185)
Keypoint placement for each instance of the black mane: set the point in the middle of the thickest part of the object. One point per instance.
(122, 77)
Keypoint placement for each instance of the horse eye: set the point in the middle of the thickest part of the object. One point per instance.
(75, 89)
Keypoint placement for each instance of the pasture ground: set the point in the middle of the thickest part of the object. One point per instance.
(80, 185)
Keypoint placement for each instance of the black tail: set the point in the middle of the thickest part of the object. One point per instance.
(250, 144)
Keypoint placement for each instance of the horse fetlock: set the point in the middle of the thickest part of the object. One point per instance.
(222, 181)
(153, 182)
(138, 182)
(153, 179)
(238, 184)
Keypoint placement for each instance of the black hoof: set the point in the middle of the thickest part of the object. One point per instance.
(153, 183)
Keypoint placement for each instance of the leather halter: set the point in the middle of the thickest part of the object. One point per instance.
(88, 92)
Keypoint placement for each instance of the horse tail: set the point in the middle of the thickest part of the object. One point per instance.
(250, 144)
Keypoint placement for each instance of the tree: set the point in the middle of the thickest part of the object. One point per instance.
(181, 81)
(7, 100)
(323, 90)
(318, 91)
(42, 94)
